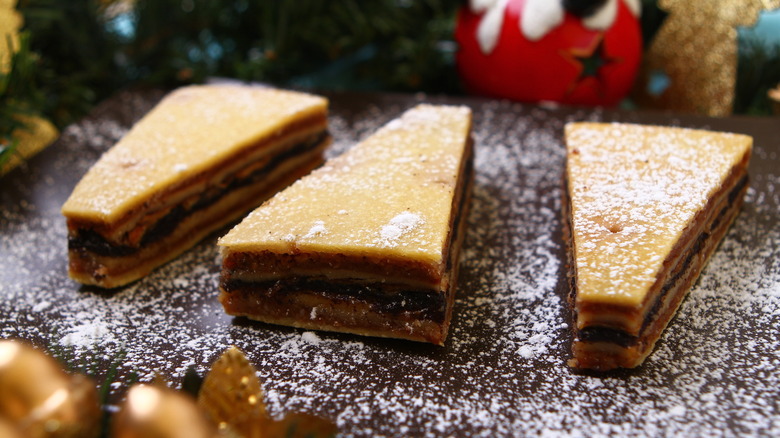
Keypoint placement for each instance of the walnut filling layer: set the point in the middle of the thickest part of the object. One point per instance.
(262, 266)
(87, 239)
(389, 299)
(376, 297)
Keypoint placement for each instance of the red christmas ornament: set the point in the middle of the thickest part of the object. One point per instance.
(573, 52)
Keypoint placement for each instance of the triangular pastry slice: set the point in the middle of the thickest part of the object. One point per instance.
(202, 158)
(645, 208)
(367, 244)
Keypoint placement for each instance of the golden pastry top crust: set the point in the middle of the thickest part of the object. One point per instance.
(634, 189)
(190, 130)
(389, 196)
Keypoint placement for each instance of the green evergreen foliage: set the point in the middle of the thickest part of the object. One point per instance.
(19, 95)
(89, 49)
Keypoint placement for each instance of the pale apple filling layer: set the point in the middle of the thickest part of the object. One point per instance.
(113, 254)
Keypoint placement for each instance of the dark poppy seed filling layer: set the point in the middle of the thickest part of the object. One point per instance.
(92, 241)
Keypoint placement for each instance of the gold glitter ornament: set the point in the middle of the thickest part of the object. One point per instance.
(39, 399)
(156, 411)
(696, 48)
(10, 23)
(232, 397)
(39, 132)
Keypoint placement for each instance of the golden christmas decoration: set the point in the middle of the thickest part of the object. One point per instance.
(696, 48)
(154, 410)
(40, 132)
(10, 23)
(38, 399)
(233, 398)
(231, 395)
(9, 430)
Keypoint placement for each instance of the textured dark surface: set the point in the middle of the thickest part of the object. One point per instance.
(502, 370)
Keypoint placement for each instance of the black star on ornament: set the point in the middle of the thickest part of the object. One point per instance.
(589, 61)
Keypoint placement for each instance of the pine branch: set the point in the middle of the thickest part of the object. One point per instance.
(19, 93)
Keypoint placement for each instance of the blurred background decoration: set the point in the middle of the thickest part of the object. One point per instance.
(701, 49)
(62, 57)
(577, 52)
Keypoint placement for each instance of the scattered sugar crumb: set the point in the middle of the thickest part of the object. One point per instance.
(311, 338)
(398, 226)
(317, 229)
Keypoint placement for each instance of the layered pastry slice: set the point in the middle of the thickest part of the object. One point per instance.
(646, 207)
(367, 244)
(203, 157)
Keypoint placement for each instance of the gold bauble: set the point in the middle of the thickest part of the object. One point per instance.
(696, 47)
(40, 399)
(9, 430)
(156, 411)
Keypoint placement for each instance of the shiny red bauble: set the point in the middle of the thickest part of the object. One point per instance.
(570, 64)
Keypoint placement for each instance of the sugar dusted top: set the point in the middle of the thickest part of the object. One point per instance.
(391, 195)
(188, 131)
(634, 189)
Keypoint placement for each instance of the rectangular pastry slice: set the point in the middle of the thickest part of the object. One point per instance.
(367, 244)
(203, 157)
(645, 208)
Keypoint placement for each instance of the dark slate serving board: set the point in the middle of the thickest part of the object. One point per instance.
(502, 371)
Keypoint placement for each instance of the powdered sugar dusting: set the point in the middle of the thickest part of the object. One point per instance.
(502, 371)
(317, 229)
(398, 226)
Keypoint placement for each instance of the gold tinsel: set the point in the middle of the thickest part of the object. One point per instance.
(696, 48)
